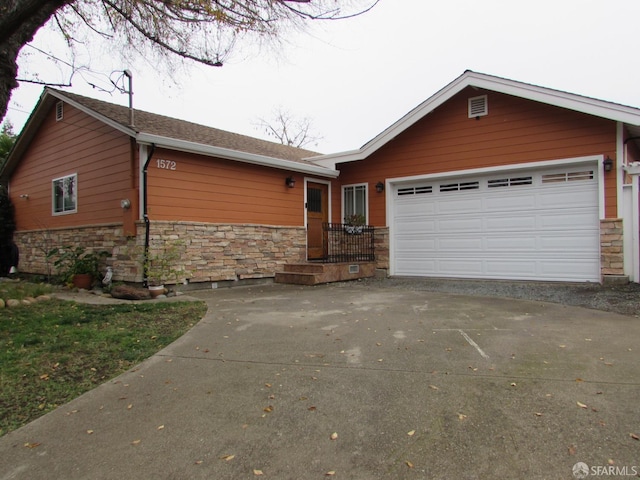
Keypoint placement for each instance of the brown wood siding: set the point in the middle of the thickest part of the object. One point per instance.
(206, 189)
(514, 131)
(78, 144)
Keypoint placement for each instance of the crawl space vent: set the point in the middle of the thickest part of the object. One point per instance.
(478, 106)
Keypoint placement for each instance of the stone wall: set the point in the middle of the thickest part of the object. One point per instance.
(34, 245)
(611, 253)
(381, 245)
(208, 252)
(216, 252)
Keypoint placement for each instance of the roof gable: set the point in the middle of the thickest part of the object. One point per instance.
(578, 103)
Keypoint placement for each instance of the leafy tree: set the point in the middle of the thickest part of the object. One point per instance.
(7, 138)
(204, 31)
(289, 130)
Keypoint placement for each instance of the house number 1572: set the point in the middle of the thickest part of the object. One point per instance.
(166, 164)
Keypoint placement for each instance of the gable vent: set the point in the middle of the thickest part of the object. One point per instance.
(478, 106)
(59, 111)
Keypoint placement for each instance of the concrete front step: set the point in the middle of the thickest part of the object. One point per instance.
(317, 273)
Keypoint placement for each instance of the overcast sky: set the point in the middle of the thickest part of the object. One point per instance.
(354, 78)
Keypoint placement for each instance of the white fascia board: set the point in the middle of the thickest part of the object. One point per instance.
(92, 113)
(226, 153)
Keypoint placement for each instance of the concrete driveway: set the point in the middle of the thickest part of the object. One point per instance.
(361, 382)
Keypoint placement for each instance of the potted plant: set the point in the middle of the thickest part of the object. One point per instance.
(78, 266)
(354, 223)
(161, 266)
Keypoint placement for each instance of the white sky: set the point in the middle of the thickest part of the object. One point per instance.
(355, 77)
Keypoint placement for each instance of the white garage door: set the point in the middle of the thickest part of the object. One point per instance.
(534, 225)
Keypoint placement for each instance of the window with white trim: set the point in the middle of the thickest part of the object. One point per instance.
(64, 194)
(354, 201)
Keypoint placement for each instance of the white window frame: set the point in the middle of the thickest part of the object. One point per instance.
(353, 188)
(74, 195)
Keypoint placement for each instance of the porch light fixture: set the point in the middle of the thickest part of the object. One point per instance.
(125, 204)
(379, 187)
(25, 196)
(290, 182)
(608, 164)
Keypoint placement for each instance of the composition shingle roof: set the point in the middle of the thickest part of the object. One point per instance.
(154, 124)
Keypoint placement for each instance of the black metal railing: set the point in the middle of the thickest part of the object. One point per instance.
(348, 243)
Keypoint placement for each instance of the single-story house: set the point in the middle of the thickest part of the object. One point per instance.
(488, 178)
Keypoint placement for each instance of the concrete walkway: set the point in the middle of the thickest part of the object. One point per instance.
(358, 382)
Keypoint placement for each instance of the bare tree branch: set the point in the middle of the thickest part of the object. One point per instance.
(288, 130)
(203, 31)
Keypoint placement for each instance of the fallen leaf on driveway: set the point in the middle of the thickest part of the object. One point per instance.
(136, 442)
(461, 416)
(32, 444)
(333, 436)
(634, 436)
(330, 473)
(409, 464)
(89, 432)
(572, 449)
(411, 433)
(227, 457)
(581, 405)
(268, 409)
(257, 472)
(433, 387)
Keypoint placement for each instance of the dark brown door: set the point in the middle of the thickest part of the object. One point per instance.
(317, 214)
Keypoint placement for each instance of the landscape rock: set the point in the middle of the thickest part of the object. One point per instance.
(43, 298)
(12, 302)
(127, 292)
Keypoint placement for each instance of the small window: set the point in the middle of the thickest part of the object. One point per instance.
(314, 200)
(59, 111)
(509, 182)
(568, 176)
(415, 190)
(354, 200)
(478, 106)
(455, 187)
(65, 195)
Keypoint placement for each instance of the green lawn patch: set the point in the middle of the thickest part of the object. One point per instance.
(53, 351)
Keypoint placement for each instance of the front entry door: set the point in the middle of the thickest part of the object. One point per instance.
(317, 214)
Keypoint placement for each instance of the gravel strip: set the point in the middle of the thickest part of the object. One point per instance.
(623, 299)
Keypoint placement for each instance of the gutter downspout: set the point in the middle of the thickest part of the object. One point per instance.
(145, 216)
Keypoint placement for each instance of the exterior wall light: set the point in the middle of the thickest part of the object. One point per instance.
(25, 196)
(290, 182)
(608, 164)
(125, 204)
(379, 187)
